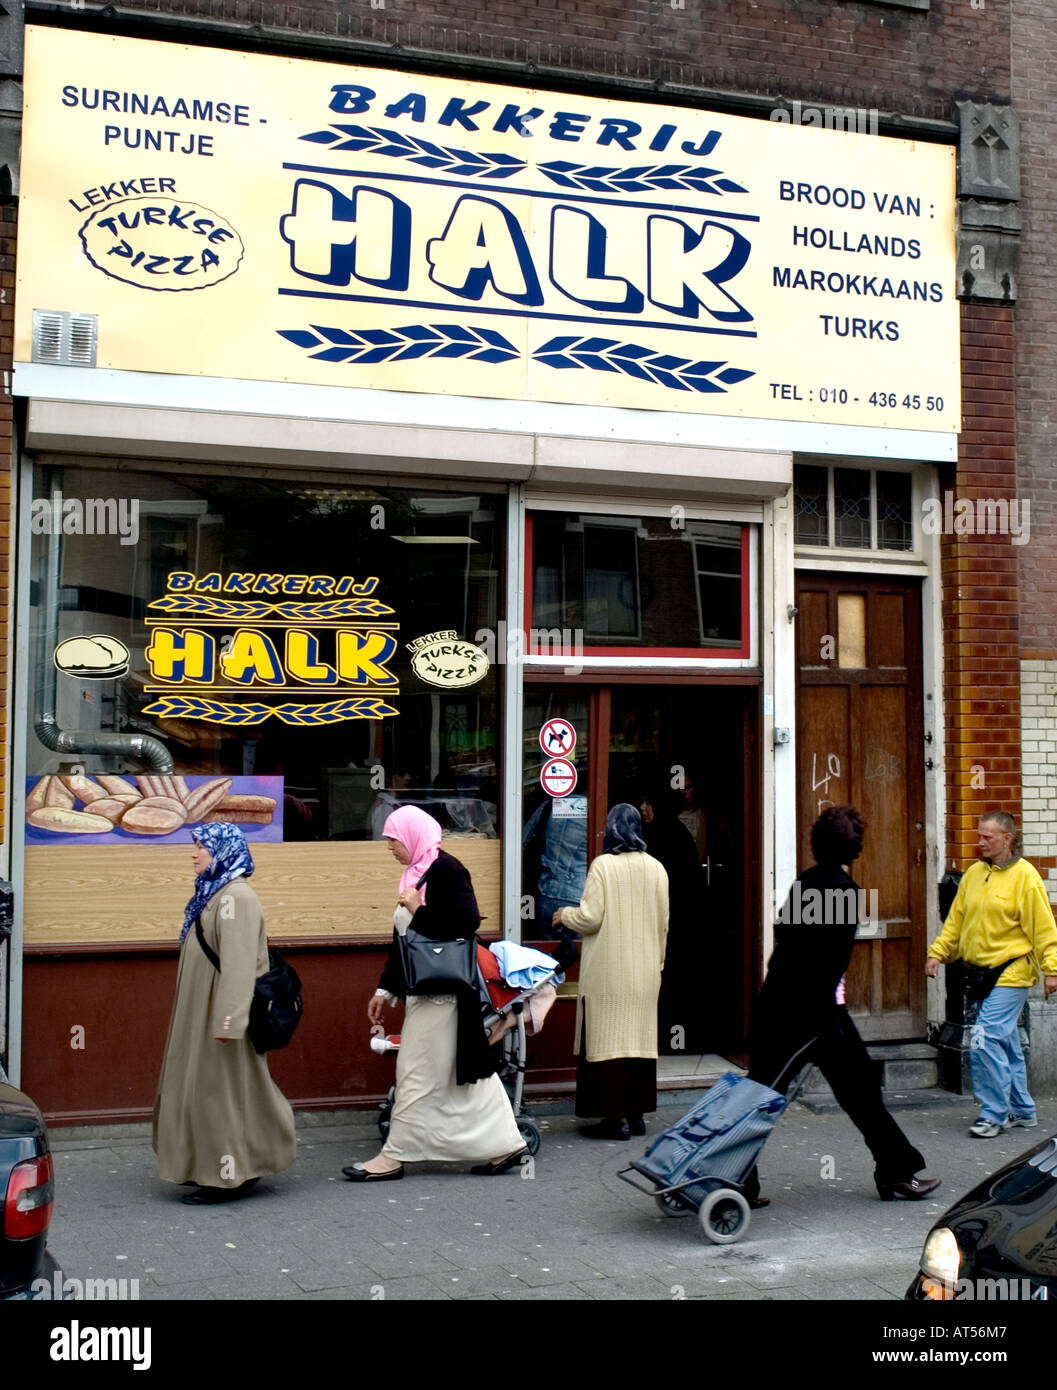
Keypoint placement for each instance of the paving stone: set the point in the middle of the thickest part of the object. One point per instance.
(239, 1286)
(571, 1232)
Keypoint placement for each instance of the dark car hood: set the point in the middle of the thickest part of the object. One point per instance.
(19, 1116)
(1009, 1221)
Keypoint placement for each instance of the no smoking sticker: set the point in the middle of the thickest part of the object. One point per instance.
(557, 738)
(558, 777)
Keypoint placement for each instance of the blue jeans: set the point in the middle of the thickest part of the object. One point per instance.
(1000, 1078)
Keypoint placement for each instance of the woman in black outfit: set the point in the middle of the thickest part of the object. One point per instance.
(798, 1019)
(449, 1104)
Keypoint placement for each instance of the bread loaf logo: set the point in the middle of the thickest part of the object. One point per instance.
(149, 807)
(441, 658)
(97, 657)
(162, 244)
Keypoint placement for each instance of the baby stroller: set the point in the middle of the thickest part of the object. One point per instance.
(701, 1163)
(511, 1011)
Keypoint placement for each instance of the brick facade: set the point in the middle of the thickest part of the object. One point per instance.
(1035, 98)
(840, 53)
(980, 599)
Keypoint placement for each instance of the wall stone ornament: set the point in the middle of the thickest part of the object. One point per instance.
(988, 250)
(988, 151)
(989, 220)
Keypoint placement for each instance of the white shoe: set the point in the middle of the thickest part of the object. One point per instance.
(984, 1129)
(1021, 1122)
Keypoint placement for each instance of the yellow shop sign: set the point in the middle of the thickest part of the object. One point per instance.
(377, 229)
(254, 635)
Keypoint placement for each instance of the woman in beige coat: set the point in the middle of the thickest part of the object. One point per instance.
(623, 918)
(220, 1121)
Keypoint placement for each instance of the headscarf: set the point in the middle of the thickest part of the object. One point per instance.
(623, 831)
(419, 834)
(231, 859)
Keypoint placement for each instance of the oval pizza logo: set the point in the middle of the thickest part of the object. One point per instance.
(162, 244)
(442, 658)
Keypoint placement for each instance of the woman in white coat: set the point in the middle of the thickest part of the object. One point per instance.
(623, 919)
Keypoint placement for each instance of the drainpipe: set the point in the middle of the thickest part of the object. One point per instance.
(142, 748)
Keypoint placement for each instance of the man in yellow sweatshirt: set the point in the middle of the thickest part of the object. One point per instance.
(1001, 915)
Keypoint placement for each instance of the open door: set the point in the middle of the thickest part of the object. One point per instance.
(690, 752)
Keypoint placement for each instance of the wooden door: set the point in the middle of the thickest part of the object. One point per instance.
(860, 741)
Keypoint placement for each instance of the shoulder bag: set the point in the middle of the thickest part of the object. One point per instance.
(276, 1007)
(437, 967)
(980, 980)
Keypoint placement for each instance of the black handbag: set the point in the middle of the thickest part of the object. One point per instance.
(437, 967)
(980, 980)
(276, 1006)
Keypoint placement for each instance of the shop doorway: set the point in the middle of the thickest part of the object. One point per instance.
(689, 753)
(860, 740)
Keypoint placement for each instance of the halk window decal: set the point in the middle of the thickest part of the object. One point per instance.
(339, 646)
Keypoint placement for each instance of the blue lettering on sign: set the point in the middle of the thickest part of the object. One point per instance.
(161, 245)
(690, 260)
(689, 268)
(582, 239)
(499, 254)
(375, 228)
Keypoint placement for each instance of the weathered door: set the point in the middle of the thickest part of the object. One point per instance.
(860, 741)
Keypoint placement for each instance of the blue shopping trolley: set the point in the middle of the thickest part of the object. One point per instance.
(701, 1163)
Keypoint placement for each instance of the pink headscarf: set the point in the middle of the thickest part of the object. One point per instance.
(419, 834)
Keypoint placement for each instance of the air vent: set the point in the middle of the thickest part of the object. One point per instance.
(62, 339)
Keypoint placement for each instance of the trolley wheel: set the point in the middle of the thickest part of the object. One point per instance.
(724, 1216)
(531, 1135)
(672, 1204)
(385, 1110)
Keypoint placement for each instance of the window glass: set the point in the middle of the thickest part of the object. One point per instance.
(894, 529)
(235, 682)
(851, 506)
(811, 487)
(852, 509)
(635, 582)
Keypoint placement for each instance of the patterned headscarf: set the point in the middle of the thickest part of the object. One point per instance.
(419, 834)
(231, 859)
(623, 831)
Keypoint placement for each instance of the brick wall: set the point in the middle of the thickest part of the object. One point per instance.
(846, 53)
(1034, 78)
(1035, 97)
(980, 602)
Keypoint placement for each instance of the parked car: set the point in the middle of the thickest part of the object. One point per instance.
(1000, 1240)
(28, 1190)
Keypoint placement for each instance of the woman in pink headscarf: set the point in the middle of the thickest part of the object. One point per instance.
(449, 1106)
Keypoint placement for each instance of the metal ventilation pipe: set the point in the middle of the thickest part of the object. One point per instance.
(151, 752)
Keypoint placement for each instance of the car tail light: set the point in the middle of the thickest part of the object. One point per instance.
(30, 1197)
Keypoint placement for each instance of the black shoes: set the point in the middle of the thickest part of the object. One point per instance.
(356, 1172)
(212, 1196)
(492, 1170)
(912, 1191)
(607, 1129)
(636, 1125)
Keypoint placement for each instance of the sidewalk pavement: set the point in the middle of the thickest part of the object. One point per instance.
(565, 1227)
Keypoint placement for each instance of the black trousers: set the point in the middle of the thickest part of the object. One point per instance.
(840, 1055)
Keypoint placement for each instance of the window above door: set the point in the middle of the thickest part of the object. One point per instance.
(638, 586)
(855, 508)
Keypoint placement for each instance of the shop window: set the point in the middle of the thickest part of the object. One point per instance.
(265, 636)
(636, 586)
(853, 508)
